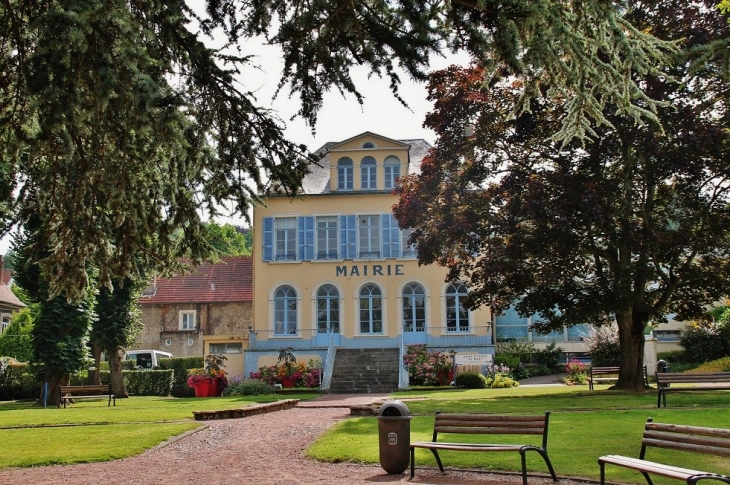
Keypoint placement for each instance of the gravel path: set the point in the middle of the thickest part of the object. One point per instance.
(263, 450)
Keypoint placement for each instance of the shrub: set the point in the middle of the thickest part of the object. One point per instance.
(248, 387)
(705, 343)
(549, 357)
(428, 368)
(719, 365)
(180, 366)
(500, 381)
(471, 380)
(576, 373)
(603, 346)
(16, 382)
(148, 382)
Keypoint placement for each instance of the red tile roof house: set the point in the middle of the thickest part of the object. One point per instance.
(205, 312)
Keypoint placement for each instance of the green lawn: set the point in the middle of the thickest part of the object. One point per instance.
(90, 431)
(583, 426)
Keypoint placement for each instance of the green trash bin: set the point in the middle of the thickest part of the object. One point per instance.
(394, 431)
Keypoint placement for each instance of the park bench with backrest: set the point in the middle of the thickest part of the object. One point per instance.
(708, 381)
(609, 374)
(696, 439)
(487, 424)
(90, 391)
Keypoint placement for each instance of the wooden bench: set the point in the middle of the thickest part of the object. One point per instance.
(608, 374)
(710, 381)
(487, 424)
(708, 441)
(86, 392)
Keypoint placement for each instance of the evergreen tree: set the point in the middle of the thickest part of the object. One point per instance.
(120, 126)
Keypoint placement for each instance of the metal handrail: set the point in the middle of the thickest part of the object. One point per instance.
(329, 363)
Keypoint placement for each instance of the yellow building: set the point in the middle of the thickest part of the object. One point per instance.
(333, 273)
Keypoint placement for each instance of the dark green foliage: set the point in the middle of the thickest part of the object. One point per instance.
(549, 357)
(229, 240)
(17, 382)
(125, 127)
(606, 354)
(148, 382)
(117, 320)
(180, 379)
(703, 344)
(16, 340)
(249, 387)
(471, 380)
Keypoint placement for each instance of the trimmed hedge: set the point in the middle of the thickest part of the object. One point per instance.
(180, 380)
(148, 382)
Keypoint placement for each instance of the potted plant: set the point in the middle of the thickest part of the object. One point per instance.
(287, 361)
(210, 380)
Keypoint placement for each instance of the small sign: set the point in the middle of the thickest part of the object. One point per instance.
(474, 359)
(392, 438)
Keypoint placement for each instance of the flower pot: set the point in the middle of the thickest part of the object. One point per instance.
(202, 388)
(288, 382)
(213, 388)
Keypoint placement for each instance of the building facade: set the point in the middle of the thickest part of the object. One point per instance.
(332, 270)
(207, 311)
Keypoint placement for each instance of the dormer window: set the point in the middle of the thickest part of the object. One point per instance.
(368, 144)
(392, 172)
(345, 169)
(368, 171)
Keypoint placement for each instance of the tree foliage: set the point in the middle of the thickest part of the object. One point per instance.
(120, 124)
(627, 226)
(229, 240)
(16, 341)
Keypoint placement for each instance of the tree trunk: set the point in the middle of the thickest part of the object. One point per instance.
(631, 339)
(115, 374)
(94, 376)
(54, 393)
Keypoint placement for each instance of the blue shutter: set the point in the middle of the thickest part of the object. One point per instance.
(391, 236)
(306, 238)
(268, 239)
(348, 237)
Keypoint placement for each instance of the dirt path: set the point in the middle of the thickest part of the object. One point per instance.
(262, 450)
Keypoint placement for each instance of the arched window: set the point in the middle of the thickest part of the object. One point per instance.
(457, 315)
(368, 144)
(285, 311)
(368, 173)
(371, 309)
(328, 309)
(392, 172)
(414, 308)
(344, 174)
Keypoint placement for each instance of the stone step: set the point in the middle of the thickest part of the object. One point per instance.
(365, 371)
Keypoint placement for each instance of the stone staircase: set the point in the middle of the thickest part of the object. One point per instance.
(365, 371)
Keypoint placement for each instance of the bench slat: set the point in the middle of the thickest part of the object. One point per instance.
(465, 446)
(651, 467)
(490, 418)
(489, 430)
(696, 430)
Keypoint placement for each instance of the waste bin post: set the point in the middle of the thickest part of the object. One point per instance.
(394, 432)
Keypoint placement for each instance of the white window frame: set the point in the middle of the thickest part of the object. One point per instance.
(285, 239)
(345, 174)
(459, 327)
(408, 251)
(227, 346)
(368, 173)
(328, 250)
(286, 327)
(392, 172)
(369, 234)
(366, 306)
(187, 326)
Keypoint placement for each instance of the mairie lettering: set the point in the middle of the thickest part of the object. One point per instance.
(370, 270)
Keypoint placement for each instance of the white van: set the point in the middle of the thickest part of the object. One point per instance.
(146, 359)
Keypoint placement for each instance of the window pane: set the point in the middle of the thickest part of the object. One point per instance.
(369, 237)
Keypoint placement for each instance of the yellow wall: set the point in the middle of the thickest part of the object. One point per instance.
(390, 274)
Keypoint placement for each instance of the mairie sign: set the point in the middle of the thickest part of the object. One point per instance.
(474, 359)
(370, 270)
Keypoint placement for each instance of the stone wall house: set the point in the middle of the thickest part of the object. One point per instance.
(204, 312)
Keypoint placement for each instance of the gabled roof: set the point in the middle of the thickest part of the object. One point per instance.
(229, 280)
(8, 299)
(317, 180)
